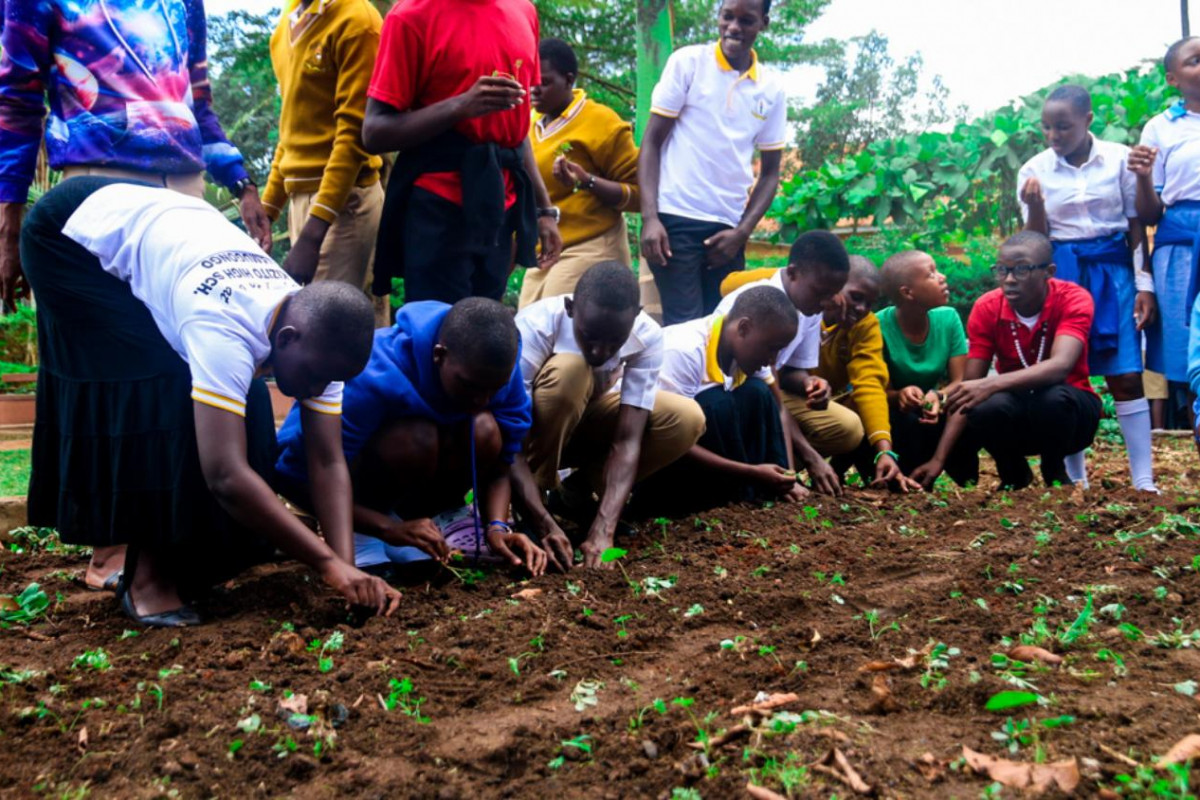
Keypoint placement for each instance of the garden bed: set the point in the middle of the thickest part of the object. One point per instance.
(592, 689)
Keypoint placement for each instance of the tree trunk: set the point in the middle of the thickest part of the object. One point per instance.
(654, 31)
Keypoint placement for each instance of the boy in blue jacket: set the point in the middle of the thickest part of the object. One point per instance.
(440, 408)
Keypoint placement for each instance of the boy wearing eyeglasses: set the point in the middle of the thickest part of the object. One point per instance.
(1039, 402)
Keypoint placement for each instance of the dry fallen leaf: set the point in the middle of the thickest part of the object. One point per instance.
(1035, 777)
(762, 793)
(773, 701)
(83, 738)
(1027, 652)
(816, 637)
(879, 666)
(836, 765)
(526, 594)
(1185, 749)
(881, 692)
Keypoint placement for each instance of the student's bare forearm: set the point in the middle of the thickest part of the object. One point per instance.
(1049, 372)
(709, 460)
(527, 496)
(763, 193)
(498, 494)
(610, 193)
(650, 161)
(620, 468)
(1037, 220)
(1149, 205)
(387, 129)
(333, 506)
(793, 381)
(786, 421)
(955, 424)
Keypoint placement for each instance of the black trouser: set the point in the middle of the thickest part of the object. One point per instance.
(1051, 422)
(916, 442)
(743, 426)
(438, 265)
(689, 288)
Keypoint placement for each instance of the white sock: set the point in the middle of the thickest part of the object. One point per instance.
(1134, 418)
(1076, 465)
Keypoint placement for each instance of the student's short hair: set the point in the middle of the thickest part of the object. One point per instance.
(1173, 52)
(819, 248)
(765, 305)
(559, 55)
(863, 268)
(480, 332)
(1038, 241)
(610, 285)
(896, 270)
(1073, 95)
(338, 316)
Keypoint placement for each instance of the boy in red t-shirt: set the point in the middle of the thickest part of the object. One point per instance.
(450, 92)
(1039, 402)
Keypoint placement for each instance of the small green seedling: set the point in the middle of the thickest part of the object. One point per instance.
(331, 645)
(26, 607)
(94, 660)
(402, 696)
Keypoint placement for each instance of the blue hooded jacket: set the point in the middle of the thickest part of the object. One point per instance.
(401, 380)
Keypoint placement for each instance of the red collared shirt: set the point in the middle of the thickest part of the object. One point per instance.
(995, 331)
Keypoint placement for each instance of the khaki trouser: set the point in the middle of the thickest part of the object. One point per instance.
(832, 432)
(189, 183)
(575, 422)
(577, 259)
(348, 252)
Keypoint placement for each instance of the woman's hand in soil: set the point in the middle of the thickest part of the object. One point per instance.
(359, 588)
(796, 494)
(824, 478)
(888, 475)
(559, 553)
(773, 477)
(927, 473)
(816, 393)
(968, 394)
(422, 534)
(910, 399)
(656, 247)
(507, 545)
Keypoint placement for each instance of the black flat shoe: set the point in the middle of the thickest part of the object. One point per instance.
(182, 617)
(111, 583)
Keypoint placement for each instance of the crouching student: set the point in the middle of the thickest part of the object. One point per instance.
(814, 428)
(1081, 194)
(852, 365)
(1040, 402)
(925, 348)
(154, 440)
(440, 409)
(574, 348)
(723, 361)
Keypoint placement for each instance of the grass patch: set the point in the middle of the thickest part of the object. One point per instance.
(14, 473)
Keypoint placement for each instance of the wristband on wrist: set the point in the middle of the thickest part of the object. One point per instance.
(501, 524)
(883, 453)
(1143, 281)
(590, 183)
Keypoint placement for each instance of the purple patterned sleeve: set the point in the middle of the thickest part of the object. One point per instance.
(24, 64)
(223, 160)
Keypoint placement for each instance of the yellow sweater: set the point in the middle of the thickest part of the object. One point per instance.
(601, 143)
(854, 356)
(323, 77)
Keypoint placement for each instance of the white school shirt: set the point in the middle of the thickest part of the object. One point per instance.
(212, 291)
(707, 167)
(546, 329)
(804, 350)
(1094, 199)
(690, 359)
(1176, 172)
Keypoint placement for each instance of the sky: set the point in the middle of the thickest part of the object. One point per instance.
(988, 52)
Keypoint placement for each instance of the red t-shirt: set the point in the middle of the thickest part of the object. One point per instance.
(1068, 312)
(432, 50)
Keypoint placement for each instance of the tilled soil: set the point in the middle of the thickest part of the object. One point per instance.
(553, 693)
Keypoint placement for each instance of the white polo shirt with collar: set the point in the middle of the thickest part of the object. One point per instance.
(1094, 199)
(721, 117)
(690, 359)
(804, 350)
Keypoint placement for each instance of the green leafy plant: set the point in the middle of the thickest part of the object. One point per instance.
(26, 607)
(332, 644)
(94, 660)
(403, 696)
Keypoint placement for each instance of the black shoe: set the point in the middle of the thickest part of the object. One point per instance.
(182, 617)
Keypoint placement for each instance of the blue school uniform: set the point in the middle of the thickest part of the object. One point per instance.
(400, 381)
(1088, 210)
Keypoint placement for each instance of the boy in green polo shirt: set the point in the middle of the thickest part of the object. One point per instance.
(925, 348)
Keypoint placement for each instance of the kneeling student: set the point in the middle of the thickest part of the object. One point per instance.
(574, 348)
(439, 410)
(724, 362)
(154, 316)
(1040, 402)
(925, 348)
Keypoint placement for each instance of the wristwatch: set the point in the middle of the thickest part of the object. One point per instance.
(240, 187)
(550, 211)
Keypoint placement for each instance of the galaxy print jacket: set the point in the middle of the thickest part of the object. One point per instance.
(127, 83)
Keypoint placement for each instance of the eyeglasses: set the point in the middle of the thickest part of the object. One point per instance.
(1020, 272)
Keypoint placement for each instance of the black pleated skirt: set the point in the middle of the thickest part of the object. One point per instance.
(114, 445)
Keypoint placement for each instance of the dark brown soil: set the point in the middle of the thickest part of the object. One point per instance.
(967, 569)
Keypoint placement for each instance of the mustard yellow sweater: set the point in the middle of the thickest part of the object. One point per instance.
(601, 143)
(855, 356)
(323, 77)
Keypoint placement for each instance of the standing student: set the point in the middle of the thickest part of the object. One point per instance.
(1194, 370)
(574, 348)
(713, 107)
(588, 161)
(724, 362)
(450, 92)
(155, 314)
(128, 93)
(851, 362)
(815, 428)
(925, 348)
(1167, 165)
(1081, 194)
(439, 410)
(1040, 402)
(323, 52)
